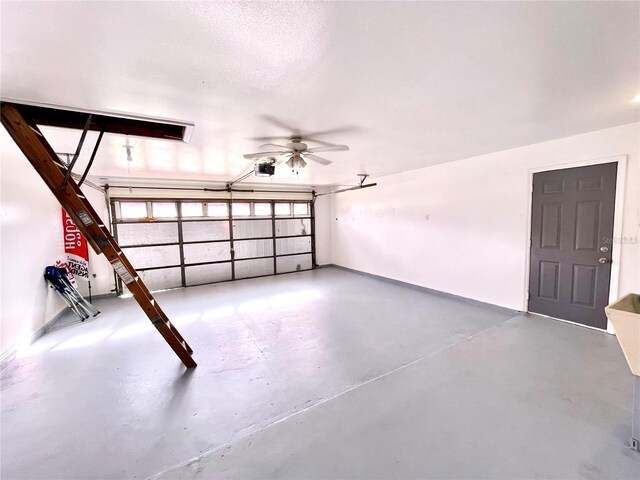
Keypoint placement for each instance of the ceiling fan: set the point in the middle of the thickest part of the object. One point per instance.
(295, 153)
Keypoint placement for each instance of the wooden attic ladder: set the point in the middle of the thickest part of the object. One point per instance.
(19, 122)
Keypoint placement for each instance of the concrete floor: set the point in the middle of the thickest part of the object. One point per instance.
(323, 374)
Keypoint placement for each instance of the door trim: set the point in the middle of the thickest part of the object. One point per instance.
(618, 215)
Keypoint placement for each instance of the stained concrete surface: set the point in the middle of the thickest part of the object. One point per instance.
(530, 398)
(319, 374)
(109, 399)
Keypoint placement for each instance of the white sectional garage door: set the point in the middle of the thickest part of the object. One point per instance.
(174, 243)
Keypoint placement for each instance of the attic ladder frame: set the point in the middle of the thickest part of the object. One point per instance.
(57, 177)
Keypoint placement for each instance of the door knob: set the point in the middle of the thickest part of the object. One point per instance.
(603, 260)
(604, 249)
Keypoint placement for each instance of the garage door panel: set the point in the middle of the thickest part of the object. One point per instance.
(254, 268)
(294, 263)
(251, 228)
(253, 248)
(202, 274)
(293, 226)
(206, 252)
(162, 278)
(198, 231)
(147, 233)
(285, 246)
(148, 257)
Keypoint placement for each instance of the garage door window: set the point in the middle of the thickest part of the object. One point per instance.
(192, 209)
(133, 210)
(164, 210)
(220, 210)
(283, 209)
(300, 209)
(262, 209)
(241, 209)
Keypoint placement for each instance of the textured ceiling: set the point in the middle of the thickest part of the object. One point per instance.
(405, 85)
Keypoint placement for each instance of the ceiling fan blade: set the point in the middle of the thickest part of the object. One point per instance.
(317, 159)
(274, 145)
(280, 124)
(264, 154)
(297, 132)
(334, 148)
(332, 131)
(270, 139)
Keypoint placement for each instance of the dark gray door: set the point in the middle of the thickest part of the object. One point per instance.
(571, 242)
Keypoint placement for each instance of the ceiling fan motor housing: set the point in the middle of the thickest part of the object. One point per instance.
(296, 144)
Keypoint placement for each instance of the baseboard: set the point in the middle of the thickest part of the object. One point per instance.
(430, 291)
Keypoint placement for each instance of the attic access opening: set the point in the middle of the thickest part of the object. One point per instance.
(118, 123)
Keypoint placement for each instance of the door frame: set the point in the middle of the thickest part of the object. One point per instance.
(618, 215)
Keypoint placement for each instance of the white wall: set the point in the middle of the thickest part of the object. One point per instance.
(461, 227)
(31, 239)
(323, 229)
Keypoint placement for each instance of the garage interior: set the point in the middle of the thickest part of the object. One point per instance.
(385, 232)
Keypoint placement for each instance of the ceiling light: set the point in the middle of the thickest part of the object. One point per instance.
(296, 163)
(128, 148)
(636, 99)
